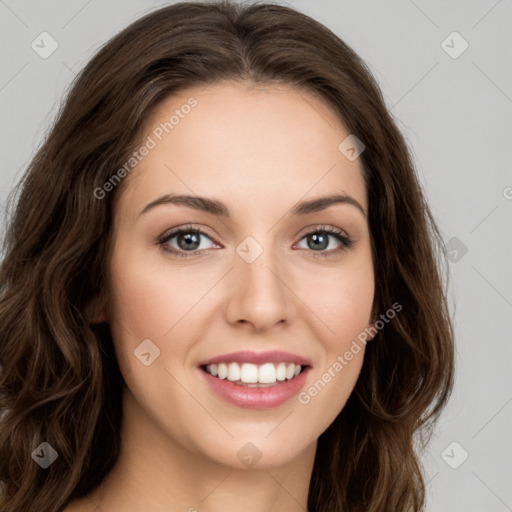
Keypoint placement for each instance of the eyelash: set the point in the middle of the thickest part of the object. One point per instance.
(346, 241)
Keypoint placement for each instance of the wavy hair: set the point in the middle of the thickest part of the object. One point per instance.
(60, 381)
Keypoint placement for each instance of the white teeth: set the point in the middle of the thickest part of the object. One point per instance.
(248, 373)
(223, 370)
(281, 371)
(233, 372)
(267, 373)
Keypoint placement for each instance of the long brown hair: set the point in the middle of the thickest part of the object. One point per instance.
(60, 382)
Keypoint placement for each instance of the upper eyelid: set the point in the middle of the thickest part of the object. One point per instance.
(176, 231)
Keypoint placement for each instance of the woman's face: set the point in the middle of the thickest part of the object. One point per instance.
(262, 278)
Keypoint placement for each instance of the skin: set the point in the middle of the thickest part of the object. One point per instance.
(260, 150)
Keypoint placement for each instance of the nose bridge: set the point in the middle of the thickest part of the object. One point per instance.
(259, 294)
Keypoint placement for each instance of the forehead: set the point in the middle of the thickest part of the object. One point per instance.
(240, 141)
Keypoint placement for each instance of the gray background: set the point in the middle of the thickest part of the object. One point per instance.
(456, 114)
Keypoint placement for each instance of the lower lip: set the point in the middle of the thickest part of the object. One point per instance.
(256, 398)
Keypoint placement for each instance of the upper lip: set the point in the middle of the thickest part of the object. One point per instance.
(246, 356)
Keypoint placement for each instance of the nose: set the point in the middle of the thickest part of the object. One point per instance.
(258, 294)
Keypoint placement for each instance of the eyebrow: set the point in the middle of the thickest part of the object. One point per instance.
(218, 208)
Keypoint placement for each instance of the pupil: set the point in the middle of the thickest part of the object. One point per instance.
(316, 238)
(190, 240)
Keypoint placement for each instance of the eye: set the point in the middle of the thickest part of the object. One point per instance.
(188, 240)
(318, 241)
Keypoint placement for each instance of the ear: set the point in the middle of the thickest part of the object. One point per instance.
(371, 323)
(97, 311)
(102, 318)
(372, 334)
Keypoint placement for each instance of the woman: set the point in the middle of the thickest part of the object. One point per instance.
(221, 285)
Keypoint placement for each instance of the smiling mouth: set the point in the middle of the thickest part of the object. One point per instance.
(253, 375)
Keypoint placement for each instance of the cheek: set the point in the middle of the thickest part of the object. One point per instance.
(345, 308)
(144, 307)
(153, 300)
(144, 300)
(343, 301)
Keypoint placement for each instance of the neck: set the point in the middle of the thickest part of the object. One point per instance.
(155, 472)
